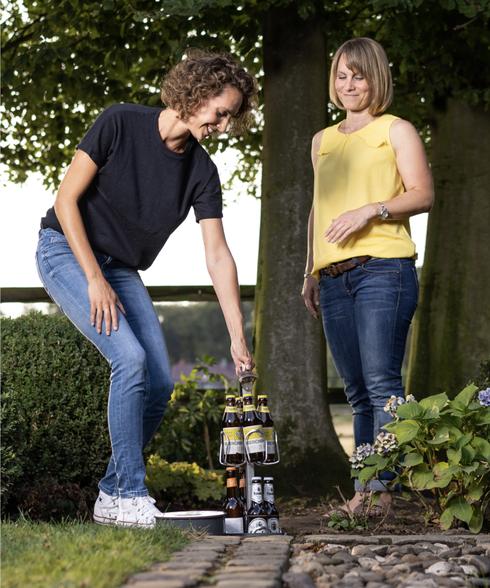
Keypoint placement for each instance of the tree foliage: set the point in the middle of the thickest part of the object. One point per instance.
(66, 60)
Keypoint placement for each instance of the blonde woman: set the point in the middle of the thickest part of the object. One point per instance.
(134, 178)
(371, 175)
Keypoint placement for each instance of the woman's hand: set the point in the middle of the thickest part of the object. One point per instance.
(350, 222)
(311, 295)
(241, 356)
(104, 303)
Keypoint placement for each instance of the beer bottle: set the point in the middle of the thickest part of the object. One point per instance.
(268, 427)
(239, 407)
(233, 507)
(242, 487)
(270, 506)
(233, 448)
(254, 442)
(256, 517)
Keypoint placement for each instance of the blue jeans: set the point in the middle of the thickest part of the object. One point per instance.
(366, 315)
(140, 383)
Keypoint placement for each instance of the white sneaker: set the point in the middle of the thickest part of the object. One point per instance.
(157, 513)
(106, 508)
(137, 511)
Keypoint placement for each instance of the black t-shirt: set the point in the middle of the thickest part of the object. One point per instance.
(142, 191)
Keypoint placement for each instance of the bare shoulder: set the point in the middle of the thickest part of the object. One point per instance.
(402, 132)
(315, 146)
(317, 140)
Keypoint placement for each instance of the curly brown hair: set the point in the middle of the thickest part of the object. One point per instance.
(203, 75)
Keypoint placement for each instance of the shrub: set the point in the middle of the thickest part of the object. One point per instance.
(438, 446)
(182, 483)
(55, 443)
(191, 426)
(54, 396)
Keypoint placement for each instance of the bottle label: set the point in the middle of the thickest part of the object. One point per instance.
(264, 409)
(233, 525)
(257, 525)
(233, 440)
(230, 409)
(270, 440)
(257, 493)
(255, 441)
(268, 494)
(273, 525)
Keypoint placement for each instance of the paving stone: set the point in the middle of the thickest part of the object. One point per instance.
(258, 568)
(185, 578)
(346, 539)
(249, 584)
(298, 580)
(165, 584)
(194, 566)
(205, 546)
(248, 575)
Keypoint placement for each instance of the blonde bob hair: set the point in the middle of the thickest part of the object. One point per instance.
(366, 57)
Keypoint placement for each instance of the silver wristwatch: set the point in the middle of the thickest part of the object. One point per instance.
(383, 211)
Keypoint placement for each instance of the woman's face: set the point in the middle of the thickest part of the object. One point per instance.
(215, 114)
(351, 87)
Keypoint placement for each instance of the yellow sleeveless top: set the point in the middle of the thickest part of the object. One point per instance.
(352, 170)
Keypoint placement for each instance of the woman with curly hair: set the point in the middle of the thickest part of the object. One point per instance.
(131, 183)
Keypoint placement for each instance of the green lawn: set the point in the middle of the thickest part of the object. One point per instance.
(80, 555)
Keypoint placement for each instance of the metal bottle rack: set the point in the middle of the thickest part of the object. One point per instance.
(246, 382)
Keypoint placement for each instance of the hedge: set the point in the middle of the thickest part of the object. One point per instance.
(55, 442)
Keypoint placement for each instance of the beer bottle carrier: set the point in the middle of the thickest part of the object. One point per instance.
(246, 381)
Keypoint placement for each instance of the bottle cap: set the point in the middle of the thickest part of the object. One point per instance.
(256, 479)
(262, 396)
(231, 469)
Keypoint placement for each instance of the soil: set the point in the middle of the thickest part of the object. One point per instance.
(302, 517)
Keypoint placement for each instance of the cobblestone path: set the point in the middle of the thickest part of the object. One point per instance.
(325, 561)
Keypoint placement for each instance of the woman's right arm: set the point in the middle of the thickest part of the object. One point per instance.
(310, 290)
(103, 300)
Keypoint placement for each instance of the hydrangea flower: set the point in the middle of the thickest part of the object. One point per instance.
(484, 397)
(385, 443)
(395, 401)
(361, 452)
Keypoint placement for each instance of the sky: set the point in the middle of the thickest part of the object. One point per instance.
(181, 262)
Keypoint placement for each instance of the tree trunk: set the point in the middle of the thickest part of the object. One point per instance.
(289, 345)
(452, 327)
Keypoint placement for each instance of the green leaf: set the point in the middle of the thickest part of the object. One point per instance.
(377, 460)
(482, 447)
(367, 474)
(437, 401)
(412, 459)
(467, 454)
(446, 519)
(421, 477)
(460, 509)
(475, 492)
(409, 410)
(483, 417)
(463, 399)
(476, 521)
(441, 436)
(463, 440)
(440, 468)
(405, 431)
(454, 455)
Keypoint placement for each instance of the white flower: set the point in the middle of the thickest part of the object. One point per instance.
(385, 443)
(361, 452)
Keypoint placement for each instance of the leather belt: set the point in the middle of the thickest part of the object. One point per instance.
(336, 269)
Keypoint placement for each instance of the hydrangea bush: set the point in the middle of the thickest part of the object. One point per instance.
(439, 446)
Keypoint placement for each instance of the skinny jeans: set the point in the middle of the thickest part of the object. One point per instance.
(366, 314)
(140, 383)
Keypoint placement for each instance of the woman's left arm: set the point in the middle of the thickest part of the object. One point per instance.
(414, 171)
(222, 269)
(416, 176)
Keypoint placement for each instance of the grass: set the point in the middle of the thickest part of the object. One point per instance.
(80, 555)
